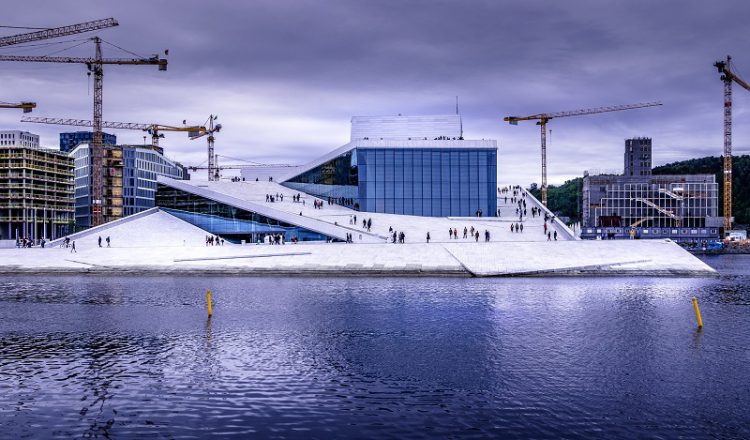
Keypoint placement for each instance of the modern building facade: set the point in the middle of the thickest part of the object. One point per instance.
(17, 138)
(129, 180)
(36, 190)
(409, 165)
(69, 141)
(142, 165)
(642, 205)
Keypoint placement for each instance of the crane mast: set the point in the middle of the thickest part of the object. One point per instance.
(95, 65)
(543, 118)
(728, 77)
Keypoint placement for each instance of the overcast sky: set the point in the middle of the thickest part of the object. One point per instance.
(285, 77)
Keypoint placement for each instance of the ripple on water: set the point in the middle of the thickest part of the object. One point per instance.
(411, 358)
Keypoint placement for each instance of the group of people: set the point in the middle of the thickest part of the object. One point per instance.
(343, 201)
(210, 240)
(398, 237)
(100, 241)
(271, 198)
(468, 233)
(275, 239)
(516, 227)
(366, 222)
(318, 204)
(27, 243)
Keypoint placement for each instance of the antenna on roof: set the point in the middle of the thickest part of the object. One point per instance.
(460, 121)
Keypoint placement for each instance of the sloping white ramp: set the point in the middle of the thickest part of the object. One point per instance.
(610, 257)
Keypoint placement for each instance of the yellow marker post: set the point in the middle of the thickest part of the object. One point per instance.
(208, 301)
(697, 313)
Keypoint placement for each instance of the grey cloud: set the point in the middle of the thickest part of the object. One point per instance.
(286, 76)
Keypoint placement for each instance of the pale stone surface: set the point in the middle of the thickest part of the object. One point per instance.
(155, 241)
(158, 241)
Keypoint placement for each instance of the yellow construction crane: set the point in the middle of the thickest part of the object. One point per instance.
(728, 76)
(26, 106)
(543, 118)
(153, 129)
(213, 171)
(95, 65)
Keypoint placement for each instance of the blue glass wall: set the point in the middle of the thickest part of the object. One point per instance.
(429, 182)
(438, 182)
(69, 141)
(229, 222)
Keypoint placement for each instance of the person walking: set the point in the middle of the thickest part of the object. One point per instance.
(100, 241)
(108, 241)
(555, 235)
(428, 236)
(549, 236)
(521, 226)
(73, 247)
(465, 231)
(450, 233)
(476, 236)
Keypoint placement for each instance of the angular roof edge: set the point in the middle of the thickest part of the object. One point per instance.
(311, 224)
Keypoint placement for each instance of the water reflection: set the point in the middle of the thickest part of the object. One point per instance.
(407, 358)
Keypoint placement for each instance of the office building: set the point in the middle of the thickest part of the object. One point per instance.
(129, 180)
(641, 205)
(36, 189)
(142, 165)
(69, 141)
(17, 138)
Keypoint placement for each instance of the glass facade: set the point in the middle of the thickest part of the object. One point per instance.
(229, 222)
(335, 179)
(69, 141)
(142, 166)
(435, 182)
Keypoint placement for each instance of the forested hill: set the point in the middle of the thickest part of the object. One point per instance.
(565, 199)
(714, 165)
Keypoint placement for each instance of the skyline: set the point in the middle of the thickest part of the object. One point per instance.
(285, 78)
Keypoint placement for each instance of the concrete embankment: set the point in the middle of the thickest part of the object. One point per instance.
(561, 258)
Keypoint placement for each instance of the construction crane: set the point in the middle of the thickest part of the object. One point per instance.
(95, 65)
(213, 171)
(218, 168)
(543, 118)
(153, 129)
(26, 106)
(728, 76)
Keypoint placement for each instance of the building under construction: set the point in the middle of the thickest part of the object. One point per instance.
(638, 204)
(36, 189)
(129, 180)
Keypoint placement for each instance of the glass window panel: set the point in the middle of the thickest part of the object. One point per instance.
(389, 206)
(426, 190)
(398, 189)
(408, 206)
(409, 189)
(435, 204)
(420, 205)
(399, 206)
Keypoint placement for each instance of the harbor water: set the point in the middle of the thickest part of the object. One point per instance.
(292, 357)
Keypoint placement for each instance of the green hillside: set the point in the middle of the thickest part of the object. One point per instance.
(713, 165)
(564, 200)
